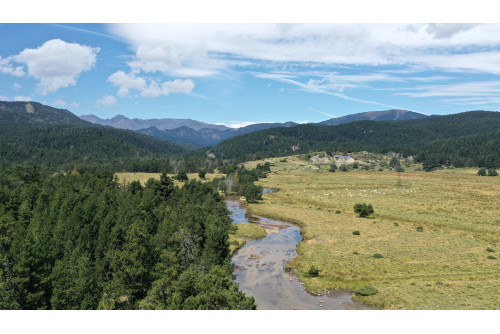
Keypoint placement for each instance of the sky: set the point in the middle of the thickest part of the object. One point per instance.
(242, 73)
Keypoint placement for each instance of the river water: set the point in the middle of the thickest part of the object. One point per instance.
(260, 268)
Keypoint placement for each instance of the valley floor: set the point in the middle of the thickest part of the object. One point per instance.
(439, 233)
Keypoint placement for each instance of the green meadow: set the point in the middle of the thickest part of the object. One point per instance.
(438, 233)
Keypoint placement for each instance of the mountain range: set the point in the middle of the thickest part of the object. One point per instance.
(55, 139)
(204, 134)
(122, 122)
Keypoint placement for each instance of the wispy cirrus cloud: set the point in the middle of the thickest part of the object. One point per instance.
(467, 93)
(212, 47)
(322, 112)
(470, 89)
(319, 86)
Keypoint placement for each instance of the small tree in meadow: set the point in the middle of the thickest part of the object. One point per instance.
(492, 172)
(363, 209)
(481, 172)
(182, 176)
(333, 167)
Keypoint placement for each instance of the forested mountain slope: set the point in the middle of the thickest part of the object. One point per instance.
(383, 115)
(31, 133)
(466, 138)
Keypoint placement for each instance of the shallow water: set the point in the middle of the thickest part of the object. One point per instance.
(260, 268)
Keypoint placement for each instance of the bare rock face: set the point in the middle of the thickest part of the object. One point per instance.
(318, 160)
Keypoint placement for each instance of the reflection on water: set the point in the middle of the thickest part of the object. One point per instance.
(259, 268)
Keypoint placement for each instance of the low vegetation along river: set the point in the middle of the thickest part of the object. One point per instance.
(260, 268)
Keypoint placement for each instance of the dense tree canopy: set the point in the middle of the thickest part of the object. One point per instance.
(82, 241)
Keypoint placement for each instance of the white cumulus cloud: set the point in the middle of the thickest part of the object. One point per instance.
(22, 98)
(107, 100)
(7, 67)
(177, 86)
(125, 82)
(57, 64)
(148, 87)
(236, 124)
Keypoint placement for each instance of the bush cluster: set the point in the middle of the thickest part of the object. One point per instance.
(363, 209)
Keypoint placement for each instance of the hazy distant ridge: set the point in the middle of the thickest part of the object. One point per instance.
(205, 134)
(122, 122)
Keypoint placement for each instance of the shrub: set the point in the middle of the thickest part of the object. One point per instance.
(333, 167)
(378, 256)
(364, 210)
(396, 224)
(356, 233)
(338, 211)
(355, 253)
(312, 272)
(420, 229)
(343, 168)
(492, 172)
(481, 172)
(394, 163)
(491, 257)
(489, 249)
(181, 176)
(366, 291)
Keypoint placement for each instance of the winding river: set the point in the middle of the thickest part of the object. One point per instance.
(260, 268)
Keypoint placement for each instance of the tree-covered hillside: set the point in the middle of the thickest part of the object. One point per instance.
(85, 242)
(55, 139)
(34, 113)
(469, 138)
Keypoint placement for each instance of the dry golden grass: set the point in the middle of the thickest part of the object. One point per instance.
(144, 177)
(443, 267)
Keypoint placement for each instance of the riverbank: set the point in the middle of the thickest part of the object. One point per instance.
(436, 234)
(260, 267)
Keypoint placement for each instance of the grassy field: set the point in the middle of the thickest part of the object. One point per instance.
(144, 177)
(433, 233)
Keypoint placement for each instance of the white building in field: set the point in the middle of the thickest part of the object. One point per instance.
(343, 159)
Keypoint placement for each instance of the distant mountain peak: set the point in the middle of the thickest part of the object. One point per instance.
(381, 115)
(123, 122)
(120, 118)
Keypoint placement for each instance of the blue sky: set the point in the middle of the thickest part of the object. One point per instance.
(236, 74)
